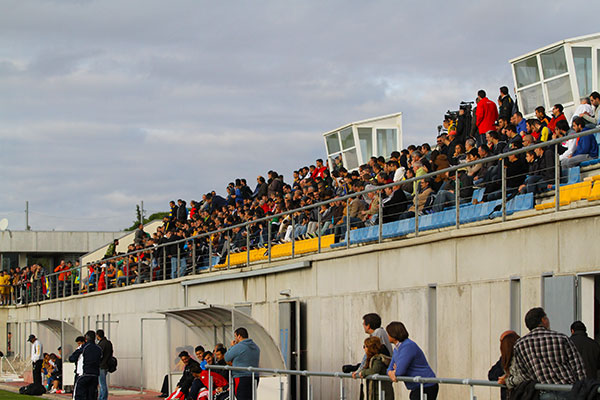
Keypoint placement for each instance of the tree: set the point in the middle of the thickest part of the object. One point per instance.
(139, 217)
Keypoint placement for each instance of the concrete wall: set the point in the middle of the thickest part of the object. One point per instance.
(53, 241)
(125, 239)
(469, 268)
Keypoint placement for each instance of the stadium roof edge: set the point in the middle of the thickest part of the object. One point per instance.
(364, 121)
(555, 44)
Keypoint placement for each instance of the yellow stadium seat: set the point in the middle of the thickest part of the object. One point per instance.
(569, 194)
(595, 193)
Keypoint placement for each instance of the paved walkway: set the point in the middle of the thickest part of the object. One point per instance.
(114, 393)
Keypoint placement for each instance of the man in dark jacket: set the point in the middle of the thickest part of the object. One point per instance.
(187, 378)
(506, 104)
(181, 210)
(87, 357)
(394, 204)
(587, 347)
(261, 188)
(107, 353)
(541, 173)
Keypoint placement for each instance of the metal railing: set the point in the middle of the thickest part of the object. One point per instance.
(197, 254)
(281, 373)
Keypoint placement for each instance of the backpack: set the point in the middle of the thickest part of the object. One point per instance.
(33, 389)
(112, 365)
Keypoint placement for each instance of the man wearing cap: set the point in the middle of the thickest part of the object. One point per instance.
(36, 358)
(587, 347)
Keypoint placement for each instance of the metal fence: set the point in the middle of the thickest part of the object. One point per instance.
(267, 238)
(342, 385)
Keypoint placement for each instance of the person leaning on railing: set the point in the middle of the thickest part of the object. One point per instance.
(409, 360)
(376, 364)
(546, 356)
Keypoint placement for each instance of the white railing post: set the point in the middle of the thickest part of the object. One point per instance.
(253, 387)
(210, 385)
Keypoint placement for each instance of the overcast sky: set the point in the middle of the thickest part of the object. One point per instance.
(107, 103)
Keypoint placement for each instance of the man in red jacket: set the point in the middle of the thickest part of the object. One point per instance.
(487, 114)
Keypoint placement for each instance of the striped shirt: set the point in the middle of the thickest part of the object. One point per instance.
(548, 357)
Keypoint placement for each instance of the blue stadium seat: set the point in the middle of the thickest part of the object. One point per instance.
(357, 235)
(574, 175)
(426, 221)
(449, 218)
(467, 213)
(390, 229)
(524, 202)
(478, 194)
(590, 162)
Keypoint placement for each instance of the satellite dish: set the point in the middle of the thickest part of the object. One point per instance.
(3, 224)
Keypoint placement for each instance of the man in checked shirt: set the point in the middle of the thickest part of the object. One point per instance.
(547, 356)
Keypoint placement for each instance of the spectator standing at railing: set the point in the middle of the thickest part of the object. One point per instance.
(587, 347)
(60, 278)
(5, 288)
(486, 115)
(243, 353)
(546, 356)
(409, 360)
(376, 363)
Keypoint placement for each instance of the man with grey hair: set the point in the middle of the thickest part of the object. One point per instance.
(469, 144)
(584, 108)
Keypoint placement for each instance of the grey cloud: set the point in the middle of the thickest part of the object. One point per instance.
(105, 103)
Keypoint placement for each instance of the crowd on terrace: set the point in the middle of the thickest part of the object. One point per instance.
(494, 128)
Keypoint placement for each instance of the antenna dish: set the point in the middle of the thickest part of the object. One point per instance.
(3, 224)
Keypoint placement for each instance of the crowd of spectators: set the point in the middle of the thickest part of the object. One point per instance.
(497, 127)
(194, 382)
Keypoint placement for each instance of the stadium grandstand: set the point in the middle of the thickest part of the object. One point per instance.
(427, 232)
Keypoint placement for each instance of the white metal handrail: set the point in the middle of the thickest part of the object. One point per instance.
(471, 383)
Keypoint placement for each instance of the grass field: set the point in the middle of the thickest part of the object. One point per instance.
(4, 395)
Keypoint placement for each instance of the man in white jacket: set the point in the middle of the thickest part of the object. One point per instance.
(36, 358)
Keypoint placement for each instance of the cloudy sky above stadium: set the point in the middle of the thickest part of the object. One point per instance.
(107, 103)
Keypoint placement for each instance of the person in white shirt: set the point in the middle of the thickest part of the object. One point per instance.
(562, 130)
(36, 358)
(584, 108)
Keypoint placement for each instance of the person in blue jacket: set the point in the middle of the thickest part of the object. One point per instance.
(243, 353)
(408, 360)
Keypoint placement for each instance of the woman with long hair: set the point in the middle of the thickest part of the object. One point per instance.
(512, 375)
(409, 360)
(376, 364)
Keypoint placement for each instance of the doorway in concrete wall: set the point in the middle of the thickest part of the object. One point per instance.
(292, 342)
(588, 302)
